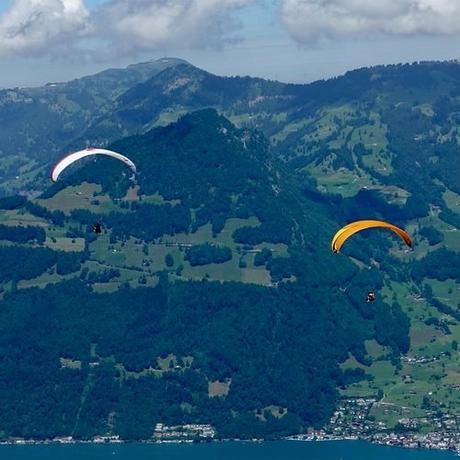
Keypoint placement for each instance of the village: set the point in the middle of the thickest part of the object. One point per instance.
(162, 434)
(353, 421)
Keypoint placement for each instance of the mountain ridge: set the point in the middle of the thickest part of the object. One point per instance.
(253, 101)
(204, 181)
(231, 218)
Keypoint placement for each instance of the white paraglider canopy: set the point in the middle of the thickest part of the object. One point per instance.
(73, 157)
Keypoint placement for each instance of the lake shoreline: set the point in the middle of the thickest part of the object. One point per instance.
(404, 441)
(391, 440)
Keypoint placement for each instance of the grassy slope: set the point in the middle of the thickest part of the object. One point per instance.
(134, 258)
(403, 389)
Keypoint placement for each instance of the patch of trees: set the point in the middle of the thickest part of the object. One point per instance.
(204, 254)
(354, 375)
(281, 268)
(12, 202)
(18, 262)
(69, 262)
(439, 324)
(432, 234)
(262, 257)
(56, 217)
(22, 235)
(104, 276)
(273, 232)
(169, 260)
(343, 159)
(441, 264)
(369, 204)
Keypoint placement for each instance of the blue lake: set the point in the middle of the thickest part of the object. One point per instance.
(283, 450)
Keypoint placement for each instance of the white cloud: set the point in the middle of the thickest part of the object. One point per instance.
(39, 27)
(310, 20)
(36, 27)
(157, 24)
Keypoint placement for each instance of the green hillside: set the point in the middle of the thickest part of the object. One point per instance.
(39, 124)
(391, 150)
(213, 262)
(213, 274)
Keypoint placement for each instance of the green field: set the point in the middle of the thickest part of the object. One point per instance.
(343, 181)
(452, 200)
(65, 244)
(84, 196)
(139, 262)
(430, 368)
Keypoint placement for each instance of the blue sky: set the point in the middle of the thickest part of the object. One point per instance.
(289, 40)
(94, 3)
(4, 5)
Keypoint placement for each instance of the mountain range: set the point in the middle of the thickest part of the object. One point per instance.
(212, 295)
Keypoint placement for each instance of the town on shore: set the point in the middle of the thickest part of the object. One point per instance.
(351, 421)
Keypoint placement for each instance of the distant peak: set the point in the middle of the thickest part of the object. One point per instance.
(171, 60)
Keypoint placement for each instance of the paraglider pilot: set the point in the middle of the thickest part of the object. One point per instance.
(370, 296)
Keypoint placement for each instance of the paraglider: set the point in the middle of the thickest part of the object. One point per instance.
(370, 296)
(348, 230)
(75, 156)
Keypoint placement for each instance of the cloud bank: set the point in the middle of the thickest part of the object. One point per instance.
(156, 24)
(127, 27)
(40, 27)
(36, 27)
(308, 21)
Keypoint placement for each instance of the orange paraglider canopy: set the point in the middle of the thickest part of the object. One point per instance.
(348, 230)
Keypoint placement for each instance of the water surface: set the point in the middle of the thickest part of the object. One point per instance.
(282, 450)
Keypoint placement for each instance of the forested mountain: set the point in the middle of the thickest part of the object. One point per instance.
(39, 123)
(208, 195)
(366, 118)
(212, 295)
